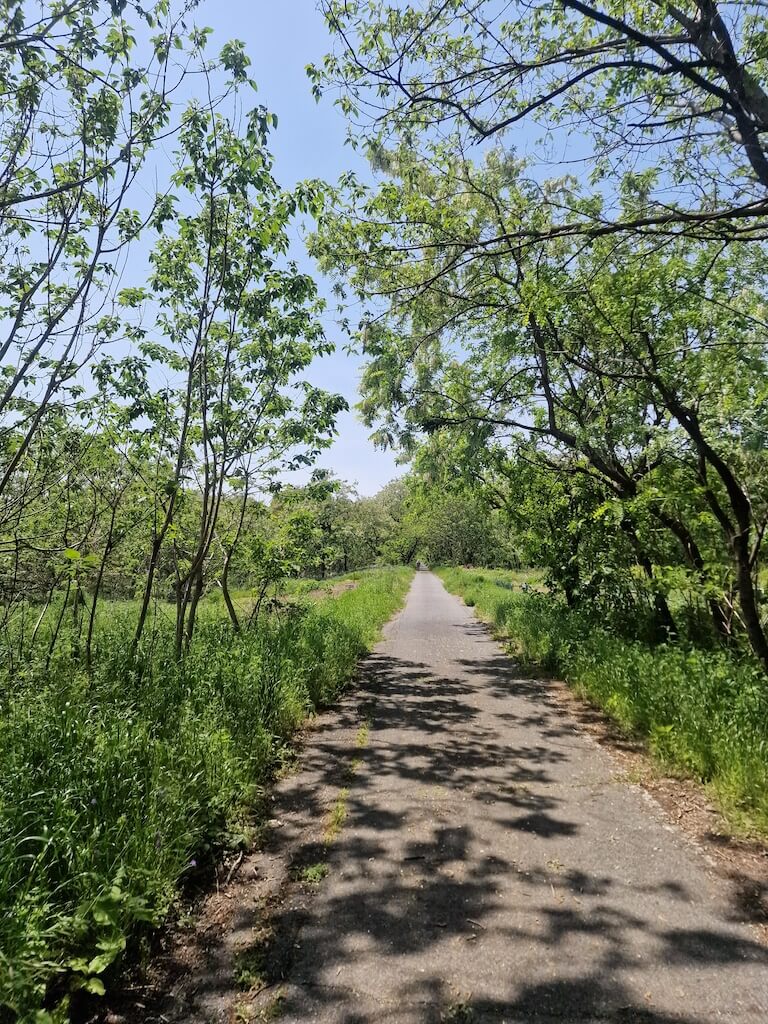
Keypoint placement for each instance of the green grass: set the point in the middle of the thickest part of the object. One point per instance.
(313, 874)
(704, 711)
(117, 789)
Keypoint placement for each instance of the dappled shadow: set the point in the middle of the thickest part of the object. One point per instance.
(481, 851)
(490, 867)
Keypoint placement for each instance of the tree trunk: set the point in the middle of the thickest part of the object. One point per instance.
(197, 593)
(147, 596)
(665, 623)
(227, 597)
(97, 591)
(693, 556)
(750, 612)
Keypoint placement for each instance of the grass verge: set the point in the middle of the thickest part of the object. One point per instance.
(703, 711)
(116, 789)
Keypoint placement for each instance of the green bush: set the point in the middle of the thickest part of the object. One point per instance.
(114, 789)
(705, 711)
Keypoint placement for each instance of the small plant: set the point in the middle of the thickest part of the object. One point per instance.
(244, 1013)
(273, 1009)
(361, 740)
(313, 874)
(458, 1013)
(250, 964)
(337, 817)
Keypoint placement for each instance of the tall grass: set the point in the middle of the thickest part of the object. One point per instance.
(705, 711)
(115, 789)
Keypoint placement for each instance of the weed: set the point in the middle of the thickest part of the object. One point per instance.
(336, 817)
(313, 874)
(361, 740)
(458, 1013)
(250, 965)
(244, 1013)
(273, 1009)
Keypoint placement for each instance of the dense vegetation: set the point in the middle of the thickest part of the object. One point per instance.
(581, 341)
(562, 271)
(570, 351)
(156, 338)
(117, 786)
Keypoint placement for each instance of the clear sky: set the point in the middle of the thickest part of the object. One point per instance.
(281, 38)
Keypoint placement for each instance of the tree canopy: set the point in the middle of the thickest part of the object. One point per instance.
(597, 340)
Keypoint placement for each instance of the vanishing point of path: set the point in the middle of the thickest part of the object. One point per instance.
(495, 864)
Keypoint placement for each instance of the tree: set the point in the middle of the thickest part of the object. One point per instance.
(142, 408)
(639, 367)
(664, 104)
(238, 330)
(82, 108)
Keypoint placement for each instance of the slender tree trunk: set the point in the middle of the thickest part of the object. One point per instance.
(41, 616)
(254, 616)
(147, 595)
(745, 586)
(197, 593)
(665, 622)
(227, 597)
(57, 628)
(693, 556)
(78, 603)
(230, 553)
(97, 590)
(737, 526)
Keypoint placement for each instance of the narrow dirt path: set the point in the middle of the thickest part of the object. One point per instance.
(493, 863)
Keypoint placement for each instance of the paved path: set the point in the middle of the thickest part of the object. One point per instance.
(495, 866)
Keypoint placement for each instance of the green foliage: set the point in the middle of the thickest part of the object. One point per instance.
(444, 523)
(639, 101)
(608, 393)
(116, 788)
(147, 397)
(705, 712)
(313, 874)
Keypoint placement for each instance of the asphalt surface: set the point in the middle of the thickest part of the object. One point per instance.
(496, 865)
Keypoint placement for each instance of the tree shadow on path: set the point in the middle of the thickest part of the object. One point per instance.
(443, 876)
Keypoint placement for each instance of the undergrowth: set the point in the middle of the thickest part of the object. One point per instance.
(704, 711)
(117, 788)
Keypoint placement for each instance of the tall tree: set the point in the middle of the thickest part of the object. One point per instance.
(677, 91)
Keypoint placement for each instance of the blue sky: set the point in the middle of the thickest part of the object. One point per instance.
(281, 38)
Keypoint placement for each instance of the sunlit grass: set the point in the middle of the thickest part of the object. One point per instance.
(115, 789)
